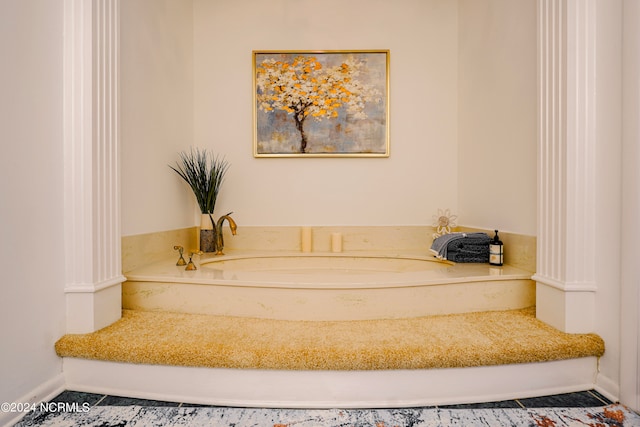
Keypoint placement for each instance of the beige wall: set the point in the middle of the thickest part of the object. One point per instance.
(607, 161)
(407, 188)
(497, 116)
(156, 113)
(32, 306)
(462, 99)
(630, 272)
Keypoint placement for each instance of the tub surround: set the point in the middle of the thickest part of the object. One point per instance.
(142, 249)
(160, 285)
(353, 238)
(138, 250)
(326, 286)
(519, 249)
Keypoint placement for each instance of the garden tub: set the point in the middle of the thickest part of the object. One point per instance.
(327, 286)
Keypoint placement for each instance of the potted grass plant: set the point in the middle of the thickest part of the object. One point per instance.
(204, 172)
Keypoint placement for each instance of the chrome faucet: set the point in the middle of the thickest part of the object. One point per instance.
(218, 231)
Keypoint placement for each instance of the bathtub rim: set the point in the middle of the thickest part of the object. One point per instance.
(167, 272)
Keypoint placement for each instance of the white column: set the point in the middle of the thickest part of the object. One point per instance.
(565, 277)
(92, 210)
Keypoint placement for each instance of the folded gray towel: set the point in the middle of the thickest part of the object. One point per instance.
(471, 249)
(440, 244)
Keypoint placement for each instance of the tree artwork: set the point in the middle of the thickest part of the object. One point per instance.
(315, 88)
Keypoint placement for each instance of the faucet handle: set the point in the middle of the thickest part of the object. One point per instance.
(191, 265)
(181, 260)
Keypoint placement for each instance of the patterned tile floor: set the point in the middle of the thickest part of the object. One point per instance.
(582, 399)
(557, 410)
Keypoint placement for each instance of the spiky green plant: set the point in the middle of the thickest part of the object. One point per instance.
(204, 172)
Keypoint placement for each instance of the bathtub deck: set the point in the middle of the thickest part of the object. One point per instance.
(267, 289)
(395, 362)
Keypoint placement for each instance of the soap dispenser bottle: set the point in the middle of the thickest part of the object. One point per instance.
(496, 250)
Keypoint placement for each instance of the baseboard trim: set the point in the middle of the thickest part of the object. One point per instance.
(608, 388)
(42, 393)
(330, 389)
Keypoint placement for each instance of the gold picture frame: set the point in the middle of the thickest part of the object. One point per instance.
(328, 103)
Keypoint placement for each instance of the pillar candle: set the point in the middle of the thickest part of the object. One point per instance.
(306, 239)
(336, 242)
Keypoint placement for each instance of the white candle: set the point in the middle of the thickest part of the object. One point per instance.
(306, 239)
(336, 242)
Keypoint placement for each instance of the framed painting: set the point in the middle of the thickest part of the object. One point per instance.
(321, 103)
